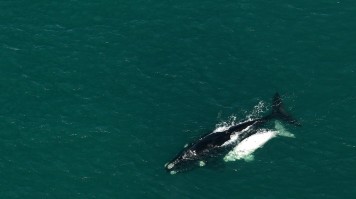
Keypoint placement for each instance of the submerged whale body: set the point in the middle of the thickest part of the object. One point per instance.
(244, 149)
(214, 144)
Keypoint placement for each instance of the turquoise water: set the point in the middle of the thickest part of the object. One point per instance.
(98, 95)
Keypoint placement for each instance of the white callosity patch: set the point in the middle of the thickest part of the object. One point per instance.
(201, 163)
(245, 148)
(170, 166)
(188, 154)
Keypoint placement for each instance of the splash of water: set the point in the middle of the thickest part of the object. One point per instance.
(224, 125)
(232, 120)
(257, 110)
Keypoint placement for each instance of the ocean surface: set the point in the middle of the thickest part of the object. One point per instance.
(96, 96)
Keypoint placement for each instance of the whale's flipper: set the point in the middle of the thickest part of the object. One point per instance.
(281, 131)
(278, 111)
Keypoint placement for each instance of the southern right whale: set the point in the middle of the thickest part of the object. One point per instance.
(215, 144)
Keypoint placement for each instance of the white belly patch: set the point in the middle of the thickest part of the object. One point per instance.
(247, 146)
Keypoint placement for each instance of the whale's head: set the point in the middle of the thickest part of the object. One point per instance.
(184, 161)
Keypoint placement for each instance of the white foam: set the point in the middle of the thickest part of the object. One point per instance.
(256, 112)
(223, 126)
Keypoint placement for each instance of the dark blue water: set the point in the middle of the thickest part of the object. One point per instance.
(98, 95)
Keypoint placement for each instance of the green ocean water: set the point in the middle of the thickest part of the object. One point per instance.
(98, 95)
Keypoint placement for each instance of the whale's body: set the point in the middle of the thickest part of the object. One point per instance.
(216, 143)
(210, 146)
(246, 147)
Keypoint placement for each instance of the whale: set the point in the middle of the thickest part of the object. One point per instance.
(217, 143)
(245, 149)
